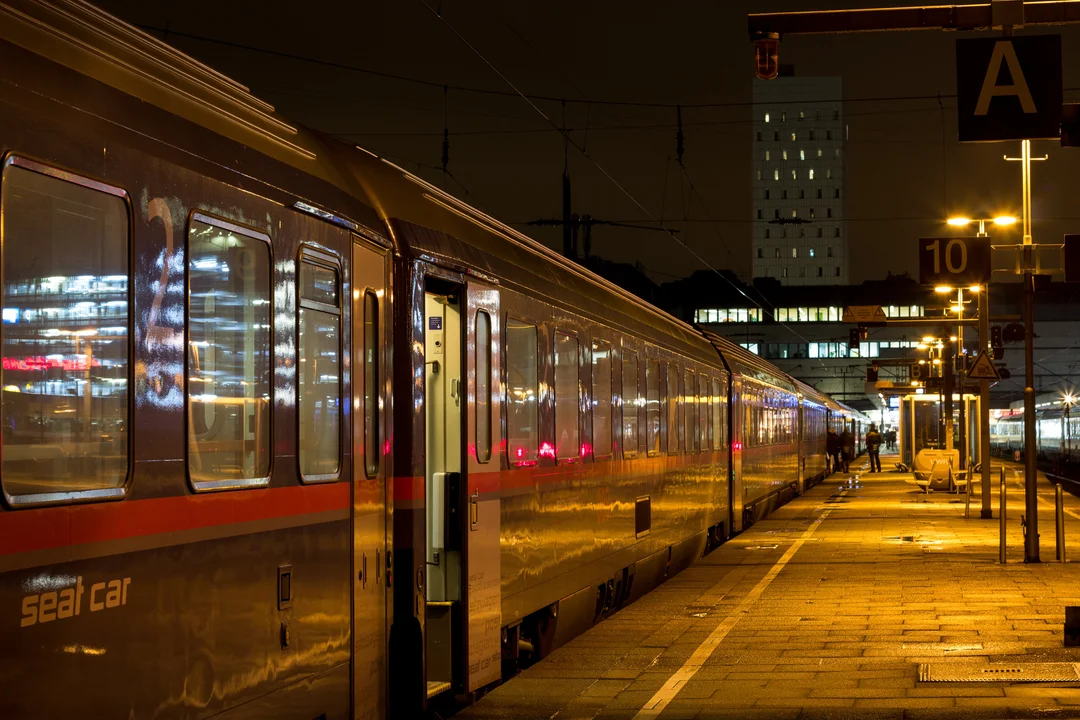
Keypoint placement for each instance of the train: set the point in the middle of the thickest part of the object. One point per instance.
(289, 432)
(1057, 433)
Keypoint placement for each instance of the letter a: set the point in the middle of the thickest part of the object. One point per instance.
(1004, 50)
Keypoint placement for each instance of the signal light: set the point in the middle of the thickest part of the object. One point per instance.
(767, 56)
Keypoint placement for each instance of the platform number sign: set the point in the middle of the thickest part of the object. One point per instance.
(954, 260)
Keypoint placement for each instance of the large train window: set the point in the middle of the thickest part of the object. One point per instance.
(66, 342)
(372, 450)
(652, 407)
(319, 367)
(228, 358)
(689, 413)
(567, 398)
(673, 427)
(601, 400)
(521, 395)
(483, 386)
(630, 403)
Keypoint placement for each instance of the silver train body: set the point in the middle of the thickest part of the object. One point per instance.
(288, 432)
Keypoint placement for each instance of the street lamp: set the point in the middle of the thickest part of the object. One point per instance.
(1069, 399)
(1001, 221)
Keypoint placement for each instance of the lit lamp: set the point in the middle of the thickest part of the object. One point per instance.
(1000, 221)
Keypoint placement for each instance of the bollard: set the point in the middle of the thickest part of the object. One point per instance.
(1072, 626)
(967, 497)
(1001, 512)
(1059, 521)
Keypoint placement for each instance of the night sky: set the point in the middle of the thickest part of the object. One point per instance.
(905, 169)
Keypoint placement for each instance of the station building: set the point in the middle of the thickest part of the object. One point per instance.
(801, 330)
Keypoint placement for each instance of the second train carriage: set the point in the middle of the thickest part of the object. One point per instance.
(373, 437)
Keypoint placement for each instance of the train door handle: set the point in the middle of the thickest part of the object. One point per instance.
(474, 510)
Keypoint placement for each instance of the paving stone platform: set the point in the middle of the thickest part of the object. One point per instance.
(804, 616)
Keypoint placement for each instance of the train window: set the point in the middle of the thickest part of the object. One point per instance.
(705, 430)
(601, 400)
(372, 451)
(630, 403)
(689, 413)
(674, 429)
(319, 368)
(652, 406)
(65, 403)
(483, 386)
(228, 359)
(719, 435)
(567, 398)
(521, 395)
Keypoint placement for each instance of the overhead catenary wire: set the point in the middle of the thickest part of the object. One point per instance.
(603, 170)
(536, 97)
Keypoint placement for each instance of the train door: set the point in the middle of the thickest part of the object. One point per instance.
(483, 593)
(444, 404)
(738, 437)
(463, 618)
(371, 407)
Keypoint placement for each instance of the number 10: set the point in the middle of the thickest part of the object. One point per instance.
(954, 269)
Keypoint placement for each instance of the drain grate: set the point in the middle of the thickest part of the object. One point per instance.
(999, 672)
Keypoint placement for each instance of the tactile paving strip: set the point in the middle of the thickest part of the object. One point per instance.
(999, 672)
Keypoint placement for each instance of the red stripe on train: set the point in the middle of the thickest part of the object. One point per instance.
(54, 527)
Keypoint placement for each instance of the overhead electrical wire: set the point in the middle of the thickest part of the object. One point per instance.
(608, 175)
(504, 93)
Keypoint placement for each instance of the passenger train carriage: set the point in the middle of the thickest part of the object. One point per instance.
(289, 432)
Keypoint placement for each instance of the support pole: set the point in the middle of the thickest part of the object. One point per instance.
(949, 388)
(1001, 514)
(984, 405)
(1059, 521)
(1031, 472)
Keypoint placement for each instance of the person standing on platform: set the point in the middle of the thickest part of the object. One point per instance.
(832, 450)
(847, 448)
(873, 448)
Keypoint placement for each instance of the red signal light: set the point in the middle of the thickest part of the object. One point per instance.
(767, 56)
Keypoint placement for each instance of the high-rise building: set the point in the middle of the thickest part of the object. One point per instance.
(800, 237)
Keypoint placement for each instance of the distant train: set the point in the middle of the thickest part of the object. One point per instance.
(1057, 432)
(288, 432)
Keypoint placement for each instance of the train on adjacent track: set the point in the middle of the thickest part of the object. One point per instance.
(288, 432)
(1057, 432)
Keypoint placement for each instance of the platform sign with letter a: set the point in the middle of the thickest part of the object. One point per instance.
(983, 368)
(1009, 88)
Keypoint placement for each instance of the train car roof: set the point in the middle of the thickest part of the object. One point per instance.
(809, 392)
(428, 223)
(92, 42)
(746, 363)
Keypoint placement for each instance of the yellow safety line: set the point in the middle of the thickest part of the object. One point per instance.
(678, 680)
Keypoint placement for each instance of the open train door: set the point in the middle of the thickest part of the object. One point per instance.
(372, 408)
(483, 595)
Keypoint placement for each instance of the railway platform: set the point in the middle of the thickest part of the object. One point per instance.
(827, 609)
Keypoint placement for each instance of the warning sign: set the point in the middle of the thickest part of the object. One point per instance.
(864, 314)
(983, 368)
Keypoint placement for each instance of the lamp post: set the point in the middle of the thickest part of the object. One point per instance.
(930, 344)
(986, 512)
(1069, 399)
